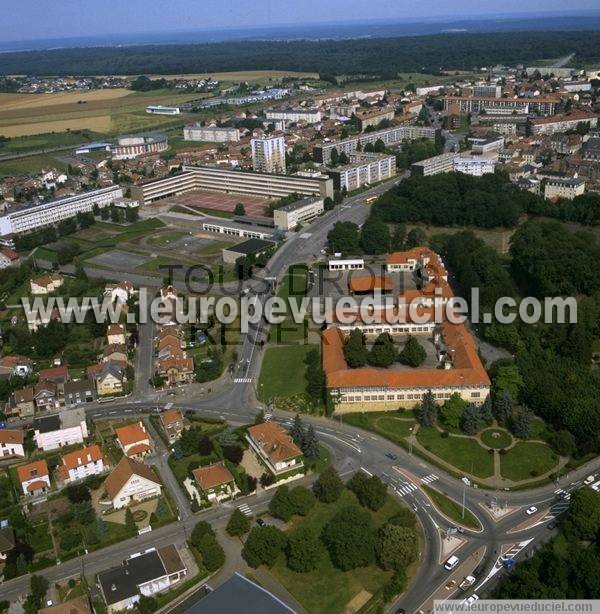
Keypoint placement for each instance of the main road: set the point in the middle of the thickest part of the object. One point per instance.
(351, 449)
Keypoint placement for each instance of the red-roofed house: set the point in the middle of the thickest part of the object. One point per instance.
(34, 478)
(80, 464)
(11, 443)
(171, 421)
(215, 482)
(275, 448)
(134, 440)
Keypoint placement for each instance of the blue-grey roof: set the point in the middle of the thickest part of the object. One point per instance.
(238, 594)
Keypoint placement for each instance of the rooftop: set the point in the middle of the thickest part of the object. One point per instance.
(251, 246)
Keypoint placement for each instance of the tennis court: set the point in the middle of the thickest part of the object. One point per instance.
(218, 201)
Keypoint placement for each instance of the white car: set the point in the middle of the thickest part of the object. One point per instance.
(589, 480)
(451, 563)
(471, 600)
(532, 510)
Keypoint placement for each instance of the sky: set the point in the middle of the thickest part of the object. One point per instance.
(35, 19)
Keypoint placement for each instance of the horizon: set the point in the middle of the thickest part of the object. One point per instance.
(79, 23)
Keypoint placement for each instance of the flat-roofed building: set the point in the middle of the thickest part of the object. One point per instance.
(211, 134)
(487, 90)
(268, 154)
(308, 116)
(251, 247)
(289, 216)
(230, 181)
(563, 123)
(364, 168)
(444, 163)
(475, 104)
(389, 136)
(473, 165)
(233, 228)
(356, 264)
(374, 116)
(32, 217)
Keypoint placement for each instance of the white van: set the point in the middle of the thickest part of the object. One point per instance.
(451, 563)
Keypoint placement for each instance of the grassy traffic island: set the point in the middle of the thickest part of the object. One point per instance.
(492, 456)
(452, 509)
(344, 548)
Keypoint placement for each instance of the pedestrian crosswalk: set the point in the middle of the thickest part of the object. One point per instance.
(242, 380)
(429, 478)
(245, 510)
(405, 489)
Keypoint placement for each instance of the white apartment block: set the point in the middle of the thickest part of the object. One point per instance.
(289, 216)
(308, 116)
(562, 123)
(210, 134)
(268, 154)
(444, 163)
(364, 168)
(214, 179)
(473, 165)
(390, 136)
(59, 430)
(487, 90)
(45, 214)
(564, 187)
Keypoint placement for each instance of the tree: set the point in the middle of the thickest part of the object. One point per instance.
(35, 600)
(370, 491)
(130, 522)
(213, 555)
(302, 500)
(83, 512)
(502, 409)
(315, 376)
(335, 157)
(146, 605)
(297, 431)
(205, 446)
(415, 238)
(427, 410)
(396, 547)
(239, 524)
(508, 380)
(201, 529)
(344, 238)
(350, 538)
(383, 353)
(310, 445)
(263, 546)
(452, 411)
(239, 209)
(413, 353)
(303, 550)
(328, 487)
(521, 422)
(471, 422)
(343, 158)
(563, 443)
(584, 513)
(328, 203)
(233, 454)
(355, 351)
(375, 237)
(281, 505)
(77, 493)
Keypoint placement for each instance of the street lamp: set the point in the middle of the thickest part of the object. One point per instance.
(410, 441)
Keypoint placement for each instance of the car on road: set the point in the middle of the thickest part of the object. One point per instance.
(467, 583)
(466, 481)
(531, 510)
(392, 456)
(589, 480)
(471, 600)
(551, 525)
(451, 563)
(450, 585)
(260, 522)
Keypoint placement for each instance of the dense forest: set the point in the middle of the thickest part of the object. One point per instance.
(383, 56)
(567, 567)
(456, 199)
(554, 360)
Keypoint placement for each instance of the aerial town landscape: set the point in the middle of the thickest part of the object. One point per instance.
(299, 312)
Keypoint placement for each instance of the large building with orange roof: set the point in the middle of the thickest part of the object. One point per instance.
(458, 370)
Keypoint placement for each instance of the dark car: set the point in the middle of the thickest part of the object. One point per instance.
(260, 522)
(551, 525)
(392, 456)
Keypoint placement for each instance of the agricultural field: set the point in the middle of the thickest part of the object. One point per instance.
(101, 111)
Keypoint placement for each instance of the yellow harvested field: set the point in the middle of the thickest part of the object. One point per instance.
(242, 75)
(100, 123)
(11, 101)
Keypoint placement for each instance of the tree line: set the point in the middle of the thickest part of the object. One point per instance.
(428, 54)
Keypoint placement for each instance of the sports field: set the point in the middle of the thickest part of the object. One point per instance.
(218, 201)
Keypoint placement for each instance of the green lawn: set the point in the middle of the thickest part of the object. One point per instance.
(503, 440)
(527, 460)
(451, 508)
(391, 425)
(463, 453)
(328, 589)
(41, 540)
(282, 373)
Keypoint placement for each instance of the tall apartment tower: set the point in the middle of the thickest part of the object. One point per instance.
(268, 154)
